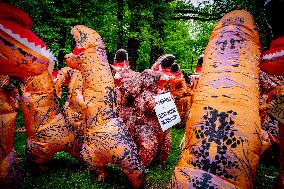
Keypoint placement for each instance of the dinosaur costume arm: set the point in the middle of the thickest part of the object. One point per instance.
(28, 108)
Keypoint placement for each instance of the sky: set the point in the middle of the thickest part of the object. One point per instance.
(195, 2)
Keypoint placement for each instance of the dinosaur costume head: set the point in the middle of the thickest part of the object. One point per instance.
(85, 38)
(163, 62)
(14, 14)
(22, 53)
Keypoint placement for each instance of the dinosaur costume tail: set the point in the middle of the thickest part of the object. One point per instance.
(223, 136)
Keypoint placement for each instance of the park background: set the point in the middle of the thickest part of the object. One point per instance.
(146, 29)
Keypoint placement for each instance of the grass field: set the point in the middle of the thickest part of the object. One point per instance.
(66, 172)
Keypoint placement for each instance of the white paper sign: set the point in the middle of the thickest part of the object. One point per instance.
(166, 111)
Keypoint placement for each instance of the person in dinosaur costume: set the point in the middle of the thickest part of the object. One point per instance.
(175, 82)
(106, 140)
(22, 53)
(224, 138)
(135, 99)
(72, 111)
(272, 62)
(46, 128)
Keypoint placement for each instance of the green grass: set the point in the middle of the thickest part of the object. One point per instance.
(66, 172)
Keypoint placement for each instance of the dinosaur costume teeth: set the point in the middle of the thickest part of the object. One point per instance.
(272, 60)
(273, 55)
(22, 52)
(27, 39)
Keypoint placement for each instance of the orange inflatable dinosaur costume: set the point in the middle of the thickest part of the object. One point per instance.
(72, 111)
(47, 130)
(223, 135)
(105, 138)
(22, 53)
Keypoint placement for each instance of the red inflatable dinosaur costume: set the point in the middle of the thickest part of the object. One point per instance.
(272, 62)
(223, 135)
(175, 82)
(135, 98)
(106, 140)
(22, 53)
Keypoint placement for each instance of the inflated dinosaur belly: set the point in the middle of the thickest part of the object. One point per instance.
(47, 131)
(105, 138)
(223, 135)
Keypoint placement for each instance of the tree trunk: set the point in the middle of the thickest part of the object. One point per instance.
(134, 42)
(158, 26)
(120, 12)
(62, 41)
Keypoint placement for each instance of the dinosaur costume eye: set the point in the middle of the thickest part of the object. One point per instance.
(83, 37)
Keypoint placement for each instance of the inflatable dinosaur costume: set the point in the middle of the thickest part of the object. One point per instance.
(176, 83)
(272, 62)
(224, 138)
(135, 99)
(46, 128)
(72, 111)
(106, 140)
(22, 53)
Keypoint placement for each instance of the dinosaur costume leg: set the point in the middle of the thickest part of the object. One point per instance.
(147, 142)
(164, 148)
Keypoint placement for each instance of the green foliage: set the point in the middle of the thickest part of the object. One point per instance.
(266, 176)
(150, 22)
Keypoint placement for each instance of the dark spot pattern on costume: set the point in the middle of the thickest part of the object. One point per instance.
(216, 127)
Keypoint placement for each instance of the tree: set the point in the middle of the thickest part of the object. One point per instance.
(210, 10)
